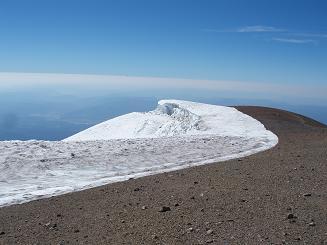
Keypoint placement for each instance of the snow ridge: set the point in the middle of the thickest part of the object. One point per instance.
(176, 117)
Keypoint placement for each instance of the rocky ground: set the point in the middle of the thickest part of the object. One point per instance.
(273, 197)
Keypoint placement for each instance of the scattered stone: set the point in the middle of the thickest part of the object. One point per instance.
(240, 160)
(176, 204)
(123, 221)
(155, 237)
(291, 216)
(307, 194)
(164, 209)
(144, 207)
(190, 229)
(72, 155)
(195, 182)
(47, 224)
(76, 231)
(137, 189)
(209, 241)
(193, 198)
(58, 215)
(312, 224)
(2, 233)
(209, 232)
(54, 226)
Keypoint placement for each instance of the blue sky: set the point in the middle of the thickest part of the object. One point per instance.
(277, 42)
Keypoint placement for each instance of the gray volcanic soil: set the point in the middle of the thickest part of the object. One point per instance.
(273, 197)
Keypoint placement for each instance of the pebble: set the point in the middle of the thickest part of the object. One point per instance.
(164, 209)
(54, 226)
(144, 207)
(312, 224)
(291, 216)
(209, 232)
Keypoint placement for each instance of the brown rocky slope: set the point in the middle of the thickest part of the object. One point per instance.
(273, 197)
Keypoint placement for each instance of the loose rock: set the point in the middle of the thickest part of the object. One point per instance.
(164, 209)
(312, 224)
(291, 216)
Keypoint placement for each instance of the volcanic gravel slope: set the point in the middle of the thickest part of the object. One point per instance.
(273, 197)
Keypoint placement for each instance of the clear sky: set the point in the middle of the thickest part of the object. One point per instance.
(279, 42)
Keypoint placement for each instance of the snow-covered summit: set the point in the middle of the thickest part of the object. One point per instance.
(176, 118)
(176, 135)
